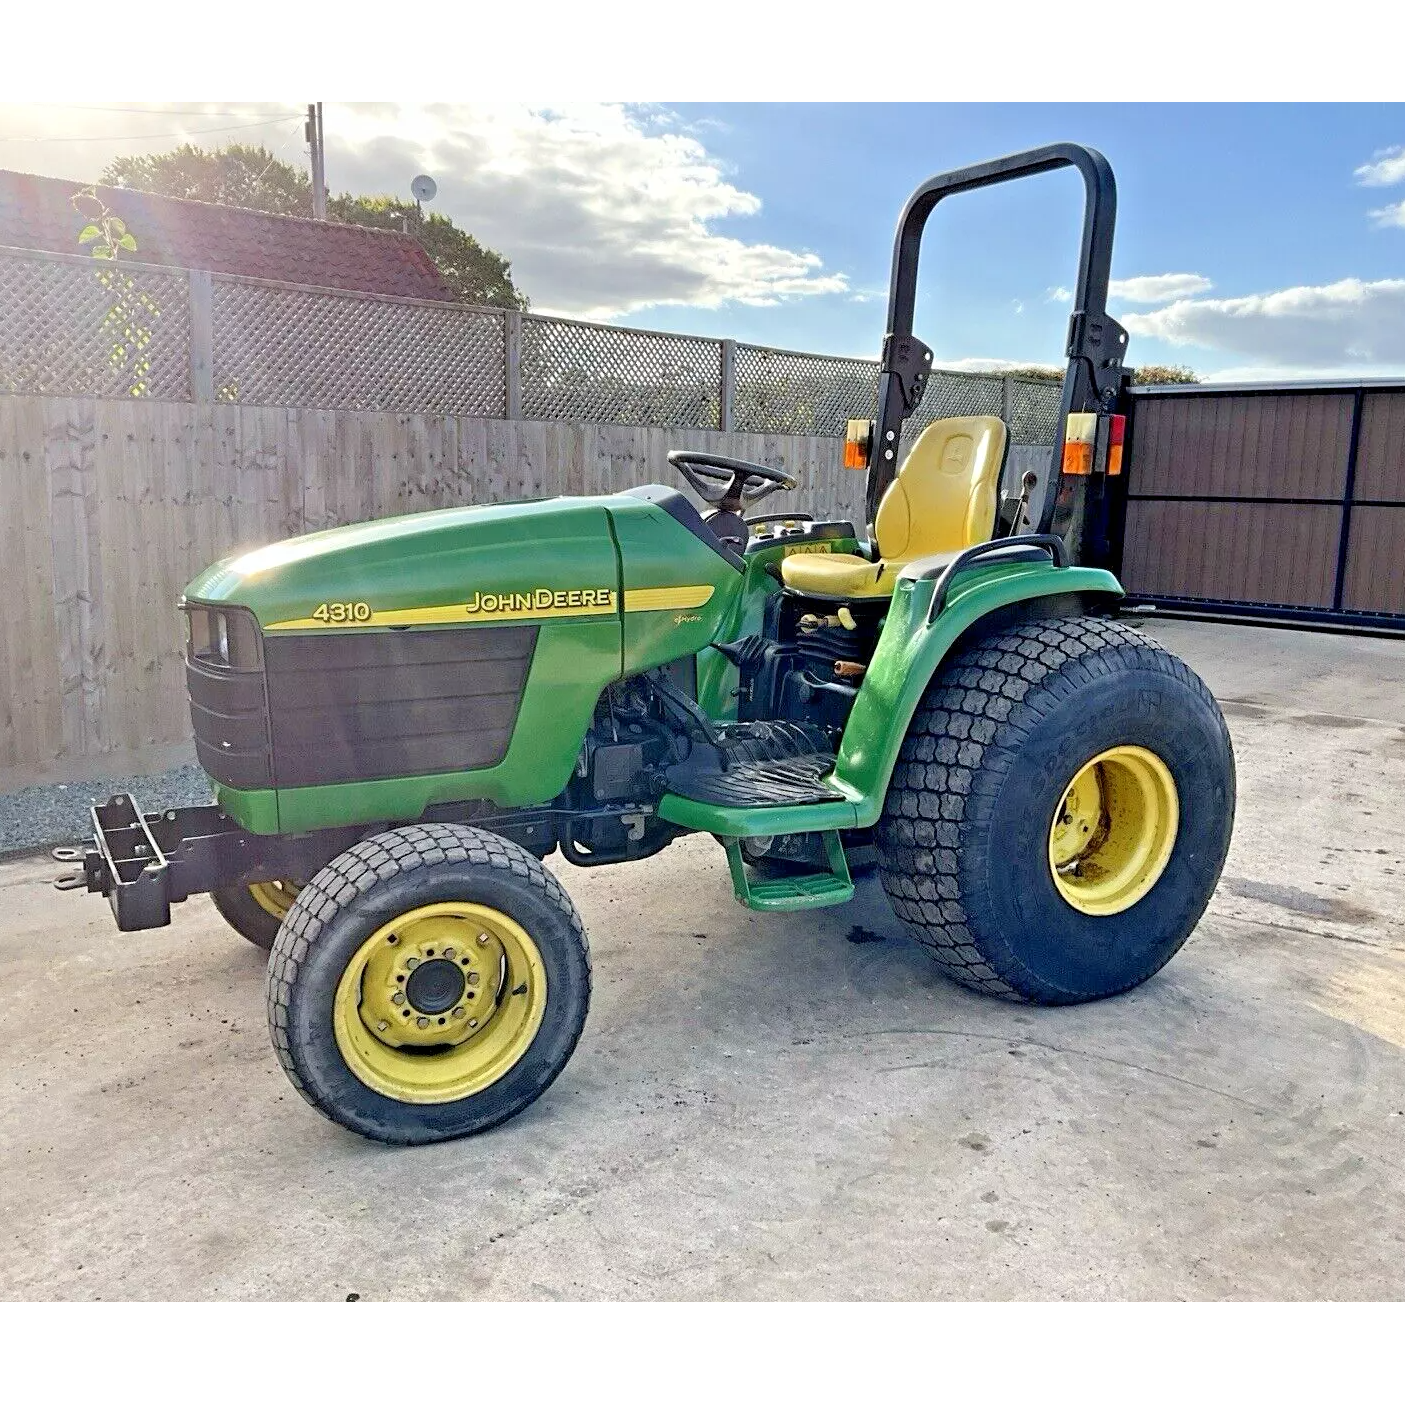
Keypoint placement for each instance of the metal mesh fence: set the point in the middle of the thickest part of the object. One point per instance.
(616, 375)
(1033, 414)
(72, 325)
(787, 392)
(85, 326)
(276, 344)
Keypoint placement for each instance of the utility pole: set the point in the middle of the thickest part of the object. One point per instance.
(313, 133)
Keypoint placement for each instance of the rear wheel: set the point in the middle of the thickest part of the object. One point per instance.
(1060, 811)
(430, 982)
(256, 910)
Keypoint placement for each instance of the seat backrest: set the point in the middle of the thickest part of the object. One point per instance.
(944, 497)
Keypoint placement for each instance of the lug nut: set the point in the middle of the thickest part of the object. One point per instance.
(382, 1024)
(448, 953)
(482, 939)
(422, 1022)
(473, 1024)
(473, 978)
(398, 998)
(458, 1012)
(412, 963)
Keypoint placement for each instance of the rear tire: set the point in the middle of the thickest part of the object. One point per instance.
(255, 915)
(429, 983)
(979, 853)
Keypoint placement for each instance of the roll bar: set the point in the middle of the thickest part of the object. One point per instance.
(1096, 342)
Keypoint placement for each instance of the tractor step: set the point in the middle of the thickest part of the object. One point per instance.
(793, 893)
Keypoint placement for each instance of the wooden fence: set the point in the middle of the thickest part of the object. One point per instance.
(108, 508)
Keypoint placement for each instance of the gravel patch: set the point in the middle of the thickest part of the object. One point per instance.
(40, 816)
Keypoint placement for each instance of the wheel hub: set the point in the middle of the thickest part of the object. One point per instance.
(435, 986)
(431, 981)
(1114, 830)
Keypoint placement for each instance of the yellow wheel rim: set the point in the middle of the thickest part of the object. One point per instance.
(440, 1003)
(275, 897)
(1114, 830)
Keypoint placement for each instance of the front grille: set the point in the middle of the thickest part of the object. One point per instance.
(360, 707)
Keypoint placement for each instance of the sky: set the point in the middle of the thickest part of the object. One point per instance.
(1253, 241)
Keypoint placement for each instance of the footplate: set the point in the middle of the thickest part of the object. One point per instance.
(793, 780)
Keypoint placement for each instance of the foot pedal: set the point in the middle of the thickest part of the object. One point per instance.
(797, 893)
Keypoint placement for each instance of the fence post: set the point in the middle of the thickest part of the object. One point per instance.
(1007, 401)
(512, 363)
(726, 409)
(202, 334)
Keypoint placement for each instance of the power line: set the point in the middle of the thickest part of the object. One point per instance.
(159, 136)
(167, 111)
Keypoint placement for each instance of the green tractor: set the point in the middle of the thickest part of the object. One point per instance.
(402, 719)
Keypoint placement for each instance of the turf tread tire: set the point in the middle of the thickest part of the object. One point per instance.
(348, 880)
(968, 734)
(238, 906)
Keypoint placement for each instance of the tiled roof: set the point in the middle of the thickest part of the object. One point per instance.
(35, 213)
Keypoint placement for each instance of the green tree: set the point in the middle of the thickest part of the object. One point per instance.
(1164, 375)
(476, 274)
(253, 178)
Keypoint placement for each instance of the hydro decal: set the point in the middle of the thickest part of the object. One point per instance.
(537, 603)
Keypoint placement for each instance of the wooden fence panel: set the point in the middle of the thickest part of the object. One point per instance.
(109, 507)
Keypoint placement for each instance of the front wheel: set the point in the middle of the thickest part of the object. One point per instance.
(428, 983)
(1060, 811)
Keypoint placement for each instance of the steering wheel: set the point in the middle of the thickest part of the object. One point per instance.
(730, 484)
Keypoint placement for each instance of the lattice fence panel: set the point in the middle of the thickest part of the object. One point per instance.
(616, 375)
(952, 393)
(1034, 411)
(276, 344)
(785, 392)
(84, 326)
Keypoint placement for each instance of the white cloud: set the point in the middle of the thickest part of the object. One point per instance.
(1390, 215)
(992, 365)
(1387, 168)
(1349, 325)
(1146, 288)
(1159, 287)
(602, 209)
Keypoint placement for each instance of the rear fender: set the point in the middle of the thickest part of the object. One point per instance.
(910, 650)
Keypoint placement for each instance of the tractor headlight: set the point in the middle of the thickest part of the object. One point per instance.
(226, 638)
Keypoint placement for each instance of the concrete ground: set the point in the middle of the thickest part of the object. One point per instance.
(767, 1108)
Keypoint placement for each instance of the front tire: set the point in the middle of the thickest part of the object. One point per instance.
(1060, 811)
(256, 910)
(429, 983)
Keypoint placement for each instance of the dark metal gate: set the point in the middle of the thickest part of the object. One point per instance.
(1278, 501)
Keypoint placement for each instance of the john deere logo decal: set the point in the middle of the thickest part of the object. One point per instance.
(539, 601)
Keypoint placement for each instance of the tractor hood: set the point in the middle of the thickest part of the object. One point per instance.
(462, 565)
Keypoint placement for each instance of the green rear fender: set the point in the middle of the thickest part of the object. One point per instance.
(910, 651)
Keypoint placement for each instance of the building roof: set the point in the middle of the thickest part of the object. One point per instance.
(36, 213)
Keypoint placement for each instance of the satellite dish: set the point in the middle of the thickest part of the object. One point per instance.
(423, 188)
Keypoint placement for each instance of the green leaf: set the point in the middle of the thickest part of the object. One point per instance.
(126, 242)
(117, 226)
(90, 232)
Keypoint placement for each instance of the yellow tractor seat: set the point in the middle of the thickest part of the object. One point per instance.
(942, 501)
